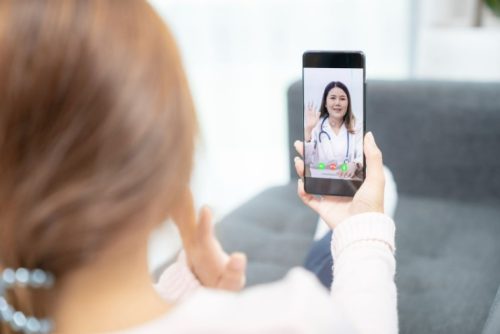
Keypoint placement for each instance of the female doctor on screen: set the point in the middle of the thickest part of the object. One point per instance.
(333, 140)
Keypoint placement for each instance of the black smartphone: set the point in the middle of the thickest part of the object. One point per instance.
(334, 121)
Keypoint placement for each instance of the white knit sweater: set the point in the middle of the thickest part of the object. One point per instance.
(362, 300)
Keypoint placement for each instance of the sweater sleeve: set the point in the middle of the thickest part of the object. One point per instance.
(177, 282)
(364, 267)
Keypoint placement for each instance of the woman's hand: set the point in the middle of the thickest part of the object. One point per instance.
(213, 267)
(352, 167)
(369, 198)
(311, 119)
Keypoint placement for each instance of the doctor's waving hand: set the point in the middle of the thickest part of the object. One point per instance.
(333, 140)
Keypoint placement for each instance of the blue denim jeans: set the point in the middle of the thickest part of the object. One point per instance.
(320, 261)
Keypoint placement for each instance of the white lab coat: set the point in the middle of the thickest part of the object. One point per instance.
(334, 150)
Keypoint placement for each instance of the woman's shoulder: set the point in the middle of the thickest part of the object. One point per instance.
(296, 304)
(298, 288)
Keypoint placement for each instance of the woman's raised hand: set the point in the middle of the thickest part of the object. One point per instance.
(369, 197)
(311, 119)
(206, 258)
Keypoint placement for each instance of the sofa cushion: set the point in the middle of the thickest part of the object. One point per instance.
(275, 229)
(448, 268)
(492, 325)
(439, 138)
(448, 264)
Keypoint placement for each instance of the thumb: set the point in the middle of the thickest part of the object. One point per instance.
(374, 162)
(233, 278)
(237, 262)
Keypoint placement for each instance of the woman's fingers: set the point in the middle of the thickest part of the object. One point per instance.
(233, 278)
(308, 199)
(184, 217)
(299, 147)
(370, 197)
(352, 169)
(299, 166)
(205, 230)
(374, 163)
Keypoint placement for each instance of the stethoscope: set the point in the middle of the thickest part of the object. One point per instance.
(323, 132)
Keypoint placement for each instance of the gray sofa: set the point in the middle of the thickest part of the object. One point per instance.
(440, 139)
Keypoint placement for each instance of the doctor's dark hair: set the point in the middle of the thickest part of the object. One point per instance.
(97, 132)
(349, 119)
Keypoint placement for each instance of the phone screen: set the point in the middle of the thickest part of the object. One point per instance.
(334, 122)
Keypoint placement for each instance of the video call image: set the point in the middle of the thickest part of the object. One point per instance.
(333, 123)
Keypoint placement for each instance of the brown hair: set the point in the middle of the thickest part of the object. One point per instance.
(97, 128)
(349, 118)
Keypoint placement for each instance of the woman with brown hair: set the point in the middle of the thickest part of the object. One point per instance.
(97, 132)
(333, 140)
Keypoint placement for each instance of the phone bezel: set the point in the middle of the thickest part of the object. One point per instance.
(333, 59)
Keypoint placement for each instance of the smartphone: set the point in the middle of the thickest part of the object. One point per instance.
(334, 121)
